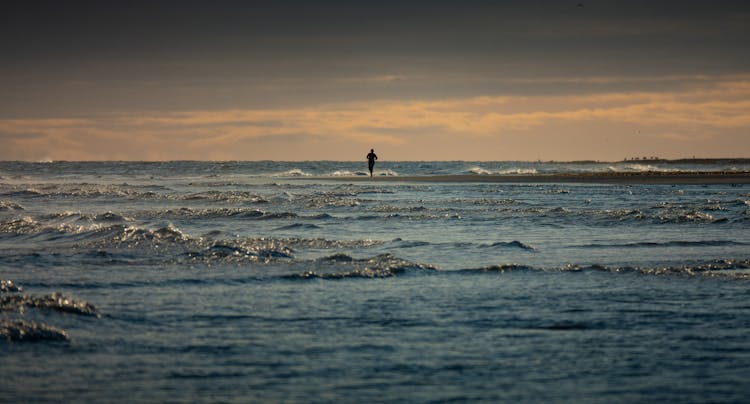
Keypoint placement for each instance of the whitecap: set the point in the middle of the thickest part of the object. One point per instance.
(508, 171)
(295, 172)
(641, 168)
(517, 171)
(386, 173)
(479, 171)
(347, 173)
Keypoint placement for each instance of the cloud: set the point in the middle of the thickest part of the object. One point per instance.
(686, 116)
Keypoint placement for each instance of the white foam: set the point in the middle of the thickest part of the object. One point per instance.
(347, 173)
(295, 172)
(508, 171)
(479, 171)
(640, 168)
(518, 171)
(386, 173)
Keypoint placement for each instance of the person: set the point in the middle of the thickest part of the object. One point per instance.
(371, 160)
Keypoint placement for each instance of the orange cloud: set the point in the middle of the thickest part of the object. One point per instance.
(431, 127)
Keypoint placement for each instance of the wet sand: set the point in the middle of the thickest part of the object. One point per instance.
(665, 178)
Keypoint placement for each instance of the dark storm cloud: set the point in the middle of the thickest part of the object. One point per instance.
(59, 30)
(63, 57)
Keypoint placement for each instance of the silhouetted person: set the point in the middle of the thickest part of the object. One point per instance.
(371, 160)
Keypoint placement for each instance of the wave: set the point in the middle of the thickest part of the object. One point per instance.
(400, 243)
(269, 249)
(385, 173)
(30, 192)
(96, 235)
(500, 268)
(105, 217)
(640, 168)
(418, 217)
(30, 331)
(226, 196)
(381, 266)
(110, 217)
(218, 213)
(318, 243)
(9, 205)
(19, 330)
(329, 200)
(86, 190)
(7, 286)
(139, 237)
(26, 225)
(509, 171)
(348, 190)
(608, 216)
(113, 235)
(229, 252)
(295, 172)
(678, 243)
(487, 201)
(410, 244)
(56, 302)
(408, 209)
(347, 173)
(736, 269)
(513, 244)
(215, 213)
(299, 226)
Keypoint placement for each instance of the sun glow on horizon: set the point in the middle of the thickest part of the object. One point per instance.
(712, 118)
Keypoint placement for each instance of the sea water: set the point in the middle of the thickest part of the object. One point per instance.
(271, 281)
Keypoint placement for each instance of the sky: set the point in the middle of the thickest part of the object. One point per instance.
(415, 80)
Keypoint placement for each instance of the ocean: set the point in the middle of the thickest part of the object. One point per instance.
(286, 282)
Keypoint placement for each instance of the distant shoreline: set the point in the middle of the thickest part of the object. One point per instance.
(658, 178)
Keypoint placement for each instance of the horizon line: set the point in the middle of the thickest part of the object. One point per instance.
(580, 161)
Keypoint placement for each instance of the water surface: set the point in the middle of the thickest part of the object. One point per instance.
(199, 281)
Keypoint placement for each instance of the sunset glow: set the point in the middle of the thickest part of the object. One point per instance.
(597, 83)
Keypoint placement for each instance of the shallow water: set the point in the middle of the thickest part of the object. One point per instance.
(195, 281)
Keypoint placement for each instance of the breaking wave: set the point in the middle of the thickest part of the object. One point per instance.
(347, 173)
(295, 172)
(510, 171)
(640, 168)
